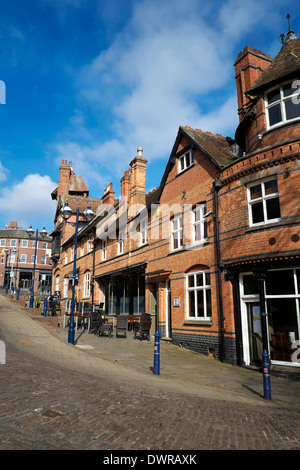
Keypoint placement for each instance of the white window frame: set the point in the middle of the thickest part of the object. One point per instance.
(13, 242)
(43, 260)
(185, 161)
(66, 285)
(104, 249)
(87, 284)
(45, 245)
(2, 242)
(177, 232)
(90, 243)
(23, 258)
(204, 287)
(281, 101)
(201, 222)
(144, 231)
(24, 243)
(263, 198)
(57, 282)
(32, 259)
(121, 242)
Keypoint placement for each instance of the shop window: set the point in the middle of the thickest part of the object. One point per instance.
(282, 104)
(263, 202)
(199, 296)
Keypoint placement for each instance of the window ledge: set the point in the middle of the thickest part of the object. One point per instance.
(198, 322)
(278, 223)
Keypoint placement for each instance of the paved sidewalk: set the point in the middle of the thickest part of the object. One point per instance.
(130, 362)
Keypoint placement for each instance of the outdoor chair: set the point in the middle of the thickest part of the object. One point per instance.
(122, 325)
(142, 328)
(95, 322)
(105, 327)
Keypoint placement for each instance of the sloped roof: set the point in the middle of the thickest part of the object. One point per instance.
(20, 234)
(285, 65)
(77, 184)
(216, 147)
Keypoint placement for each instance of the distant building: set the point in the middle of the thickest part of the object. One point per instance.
(17, 251)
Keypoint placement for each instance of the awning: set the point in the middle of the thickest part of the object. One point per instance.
(122, 271)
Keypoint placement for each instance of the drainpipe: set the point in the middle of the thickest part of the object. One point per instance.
(217, 187)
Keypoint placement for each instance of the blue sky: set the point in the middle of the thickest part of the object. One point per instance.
(89, 81)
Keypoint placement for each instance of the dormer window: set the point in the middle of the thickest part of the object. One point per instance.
(185, 161)
(282, 104)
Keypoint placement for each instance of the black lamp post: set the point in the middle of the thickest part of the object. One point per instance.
(66, 214)
(30, 233)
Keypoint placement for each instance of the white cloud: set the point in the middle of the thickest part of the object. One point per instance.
(155, 76)
(3, 173)
(28, 200)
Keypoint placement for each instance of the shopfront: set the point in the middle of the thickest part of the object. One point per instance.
(123, 291)
(282, 305)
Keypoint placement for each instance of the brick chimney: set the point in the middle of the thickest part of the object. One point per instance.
(125, 186)
(109, 195)
(64, 179)
(248, 67)
(138, 179)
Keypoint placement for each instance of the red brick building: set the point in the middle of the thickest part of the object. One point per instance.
(17, 250)
(216, 244)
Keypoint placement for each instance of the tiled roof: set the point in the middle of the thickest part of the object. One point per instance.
(286, 64)
(217, 147)
(20, 234)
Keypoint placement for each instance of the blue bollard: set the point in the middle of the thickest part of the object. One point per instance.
(156, 353)
(18, 293)
(45, 307)
(266, 375)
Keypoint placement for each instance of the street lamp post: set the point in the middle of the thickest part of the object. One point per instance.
(88, 215)
(30, 233)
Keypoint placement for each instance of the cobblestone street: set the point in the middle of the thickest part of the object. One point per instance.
(47, 407)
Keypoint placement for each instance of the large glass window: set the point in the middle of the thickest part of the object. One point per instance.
(282, 293)
(282, 104)
(263, 202)
(199, 295)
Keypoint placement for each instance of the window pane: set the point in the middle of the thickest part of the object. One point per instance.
(250, 285)
(280, 282)
(207, 279)
(191, 281)
(192, 304)
(288, 90)
(257, 213)
(273, 208)
(255, 191)
(197, 232)
(200, 303)
(275, 114)
(273, 96)
(292, 110)
(271, 187)
(199, 278)
(208, 303)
